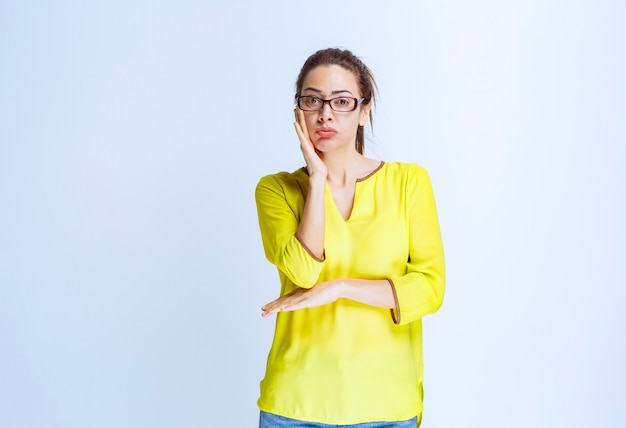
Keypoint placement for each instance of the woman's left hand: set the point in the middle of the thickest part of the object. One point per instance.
(320, 294)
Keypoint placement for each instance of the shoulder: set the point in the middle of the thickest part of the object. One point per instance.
(404, 171)
(408, 180)
(284, 182)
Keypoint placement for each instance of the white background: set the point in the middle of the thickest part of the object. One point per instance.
(132, 135)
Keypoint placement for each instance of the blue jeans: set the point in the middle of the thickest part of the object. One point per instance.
(270, 420)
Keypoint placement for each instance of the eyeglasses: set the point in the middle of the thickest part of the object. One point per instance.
(342, 104)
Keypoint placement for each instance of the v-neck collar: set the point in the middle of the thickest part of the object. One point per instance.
(354, 198)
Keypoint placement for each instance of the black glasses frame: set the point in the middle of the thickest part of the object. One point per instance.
(358, 101)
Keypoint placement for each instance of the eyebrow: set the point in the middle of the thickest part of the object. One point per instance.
(332, 93)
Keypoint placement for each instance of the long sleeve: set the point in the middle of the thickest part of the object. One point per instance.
(420, 291)
(279, 200)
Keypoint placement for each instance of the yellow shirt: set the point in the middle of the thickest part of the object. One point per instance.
(347, 362)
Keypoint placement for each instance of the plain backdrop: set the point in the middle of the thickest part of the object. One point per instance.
(133, 133)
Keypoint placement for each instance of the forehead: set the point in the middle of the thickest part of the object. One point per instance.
(331, 78)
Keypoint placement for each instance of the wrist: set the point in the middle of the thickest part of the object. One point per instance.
(317, 179)
(339, 288)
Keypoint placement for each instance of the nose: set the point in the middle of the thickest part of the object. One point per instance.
(326, 113)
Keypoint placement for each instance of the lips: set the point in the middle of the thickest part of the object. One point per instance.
(325, 132)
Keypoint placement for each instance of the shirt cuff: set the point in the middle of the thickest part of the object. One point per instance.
(395, 313)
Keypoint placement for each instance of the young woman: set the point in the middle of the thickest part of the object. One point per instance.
(359, 255)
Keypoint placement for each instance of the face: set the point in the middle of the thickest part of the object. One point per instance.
(328, 129)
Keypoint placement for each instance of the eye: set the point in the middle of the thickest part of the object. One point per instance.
(312, 101)
(343, 104)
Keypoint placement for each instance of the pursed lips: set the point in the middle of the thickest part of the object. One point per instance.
(326, 132)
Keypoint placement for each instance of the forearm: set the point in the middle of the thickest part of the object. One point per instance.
(377, 293)
(310, 231)
(373, 292)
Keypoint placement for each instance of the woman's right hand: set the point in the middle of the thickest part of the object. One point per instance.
(314, 163)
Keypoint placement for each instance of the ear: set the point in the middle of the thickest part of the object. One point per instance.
(364, 114)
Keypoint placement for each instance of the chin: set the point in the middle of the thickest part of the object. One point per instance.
(320, 146)
(325, 144)
(329, 146)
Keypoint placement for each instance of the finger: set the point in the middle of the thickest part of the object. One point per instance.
(266, 314)
(298, 123)
(284, 304)
(293, 303)
(276, 309)
(302, 122)
(303, 136)
(300, 133)
(268, 310)
(289, 302)
(275, 305)
(271, 306)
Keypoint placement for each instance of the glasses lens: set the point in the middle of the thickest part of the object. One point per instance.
(343, 104)
(310, 103)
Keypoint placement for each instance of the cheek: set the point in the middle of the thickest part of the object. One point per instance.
(310, 120)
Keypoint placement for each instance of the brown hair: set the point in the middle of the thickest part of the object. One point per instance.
(363, 75)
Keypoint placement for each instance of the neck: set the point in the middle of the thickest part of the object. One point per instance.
(343, 167)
